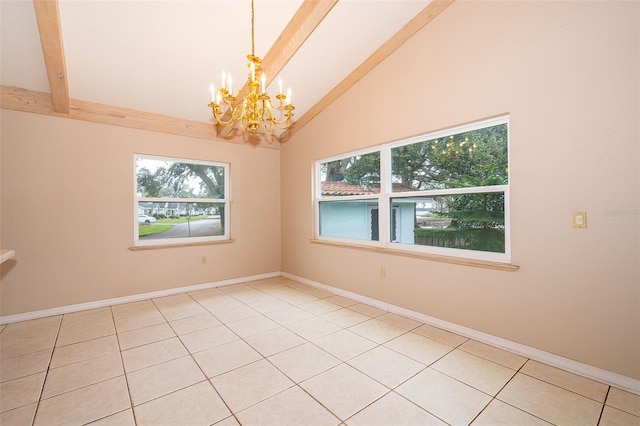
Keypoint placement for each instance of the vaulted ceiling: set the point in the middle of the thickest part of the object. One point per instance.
(148, 64)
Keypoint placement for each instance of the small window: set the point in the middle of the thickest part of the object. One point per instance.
(442, 193)
(180, 201)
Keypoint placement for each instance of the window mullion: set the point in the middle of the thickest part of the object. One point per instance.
(451, 191)
(384, 197)
(348, 197)
(181, 200)
(507, 222)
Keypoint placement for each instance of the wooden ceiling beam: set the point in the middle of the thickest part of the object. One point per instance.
(306, 19)
(48, 18)
(419, 21)
(18, 99)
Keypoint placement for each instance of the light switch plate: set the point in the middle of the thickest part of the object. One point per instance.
(579, 219)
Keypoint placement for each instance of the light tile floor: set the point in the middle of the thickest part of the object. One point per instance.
(276, 352)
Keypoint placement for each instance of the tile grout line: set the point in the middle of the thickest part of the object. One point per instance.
(124, 371)
(564, 388)
(604, 404)
(35, 413)
(495, 397)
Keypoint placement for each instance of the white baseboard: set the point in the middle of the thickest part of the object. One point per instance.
(126, 299)
(589, 371)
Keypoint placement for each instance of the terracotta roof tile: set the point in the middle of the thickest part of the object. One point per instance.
(398, 187)
(344, 188)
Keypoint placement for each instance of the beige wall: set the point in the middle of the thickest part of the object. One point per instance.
(67, 210)
(568, 75)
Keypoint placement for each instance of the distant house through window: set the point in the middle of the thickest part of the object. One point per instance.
(180, 201)
(444, 193)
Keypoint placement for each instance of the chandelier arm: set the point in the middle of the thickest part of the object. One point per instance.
(267, 116)
(235, 116)
(282, 125)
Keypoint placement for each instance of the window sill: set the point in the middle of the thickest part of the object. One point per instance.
(487, 264)
(164, 246)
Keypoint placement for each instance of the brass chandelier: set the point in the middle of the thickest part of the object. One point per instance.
(251, 107)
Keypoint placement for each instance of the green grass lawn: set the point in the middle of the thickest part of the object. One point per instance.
(144, 230)
(182, 219)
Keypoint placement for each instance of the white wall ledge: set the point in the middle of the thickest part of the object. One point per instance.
(476, 263)
(6, 255)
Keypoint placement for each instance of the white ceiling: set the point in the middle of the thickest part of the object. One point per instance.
(160, 56)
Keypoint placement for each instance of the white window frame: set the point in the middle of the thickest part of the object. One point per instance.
(386, 195)
(187, 240)
(319, 198)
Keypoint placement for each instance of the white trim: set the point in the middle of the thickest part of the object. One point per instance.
(180, 200)
(352, 241)
(133, 298)
(431, 193)
(384, 215)
(315, 174)
(332, 198)
(585, 370)
(507, 223)
(177, 159)
(452, 252)
(183, 240)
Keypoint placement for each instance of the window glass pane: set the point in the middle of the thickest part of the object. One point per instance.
(349, 219)
(355, 175)
(469, 221)
(467, 159)
(161, 220)
(171, 179)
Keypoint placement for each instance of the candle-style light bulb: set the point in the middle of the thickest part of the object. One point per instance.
(264, 80)
(289, 95)
(213, 92)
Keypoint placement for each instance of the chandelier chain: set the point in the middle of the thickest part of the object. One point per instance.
(253, 53)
